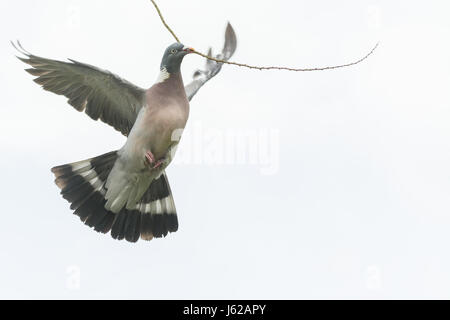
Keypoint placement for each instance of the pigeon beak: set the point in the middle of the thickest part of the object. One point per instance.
(188, 50)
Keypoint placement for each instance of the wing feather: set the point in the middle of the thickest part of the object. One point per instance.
(212, 68)
(99, 93)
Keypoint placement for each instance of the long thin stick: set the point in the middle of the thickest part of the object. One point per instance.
(258, 67)
(287, 68)
(164, 22)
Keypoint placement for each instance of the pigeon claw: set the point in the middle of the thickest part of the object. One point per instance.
(151, 161)
(149, 157)
(157, 164)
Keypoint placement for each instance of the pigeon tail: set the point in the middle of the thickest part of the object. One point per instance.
(83, 183)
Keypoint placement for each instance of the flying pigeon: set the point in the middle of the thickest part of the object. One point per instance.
(126, 191)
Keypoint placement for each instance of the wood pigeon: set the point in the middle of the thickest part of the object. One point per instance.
(126, 191)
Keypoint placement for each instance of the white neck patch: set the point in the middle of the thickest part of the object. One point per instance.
(163, 75)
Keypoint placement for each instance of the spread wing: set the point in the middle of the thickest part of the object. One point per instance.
(100, 93)
(104, 95)
(212, 68)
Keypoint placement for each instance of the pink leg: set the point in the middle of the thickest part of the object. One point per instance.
(149, 157)
(158, 163)
(152, 161)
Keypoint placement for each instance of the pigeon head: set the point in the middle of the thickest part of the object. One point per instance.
(173, 56)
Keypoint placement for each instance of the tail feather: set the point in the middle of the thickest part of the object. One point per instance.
(118, 227)
(146, 227)
(97, 215)
(77, 199)
(105, 224)
(133, 226)
(82, 184)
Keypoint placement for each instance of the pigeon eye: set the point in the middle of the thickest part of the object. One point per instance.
(173, 51)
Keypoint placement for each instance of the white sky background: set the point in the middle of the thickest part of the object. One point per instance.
(359, 206)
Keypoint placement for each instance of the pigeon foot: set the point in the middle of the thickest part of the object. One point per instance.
(151, 161)
(149, 157)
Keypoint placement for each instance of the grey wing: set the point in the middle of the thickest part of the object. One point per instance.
(100, 93)
(212, 68)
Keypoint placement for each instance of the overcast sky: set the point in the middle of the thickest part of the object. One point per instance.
(346, 194)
